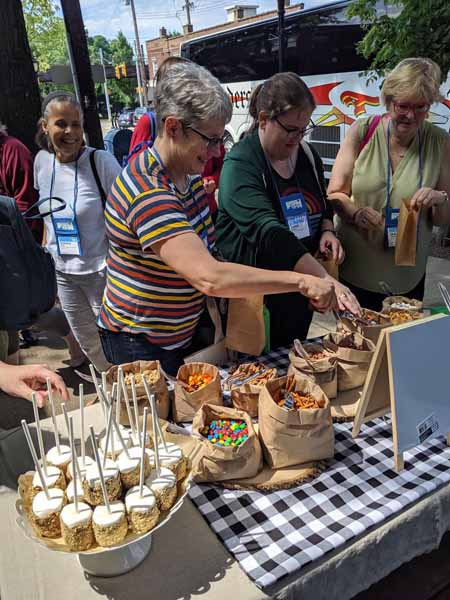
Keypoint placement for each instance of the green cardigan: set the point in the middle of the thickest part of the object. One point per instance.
(250, 225)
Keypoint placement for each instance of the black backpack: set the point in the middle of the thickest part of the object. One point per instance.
(27, 271)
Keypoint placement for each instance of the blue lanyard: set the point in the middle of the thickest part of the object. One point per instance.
(388, 166)
(156, 155)
(75, 187)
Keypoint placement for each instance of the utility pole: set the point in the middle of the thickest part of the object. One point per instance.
(138, 73)
(76, 37)
(139, 58)
(187, 7)
(105, 84)
(281, 37)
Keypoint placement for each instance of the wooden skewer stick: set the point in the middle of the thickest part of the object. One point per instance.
(39, 433)
(74, 462)
(141, 474)
(100, 470)
(52, 408)
(34, 456)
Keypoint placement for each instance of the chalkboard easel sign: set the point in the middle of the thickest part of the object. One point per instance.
(409, 377)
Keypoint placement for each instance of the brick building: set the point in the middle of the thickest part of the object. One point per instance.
(160, 48)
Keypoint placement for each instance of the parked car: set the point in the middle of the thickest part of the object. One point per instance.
(126, 118)
(139, 111)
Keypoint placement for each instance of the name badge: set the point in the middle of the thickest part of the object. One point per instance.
(391, 227)
(67, 237)
(295, 212)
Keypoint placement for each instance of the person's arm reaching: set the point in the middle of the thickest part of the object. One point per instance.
(20, 381)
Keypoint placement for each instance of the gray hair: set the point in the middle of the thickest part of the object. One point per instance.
(191, 94)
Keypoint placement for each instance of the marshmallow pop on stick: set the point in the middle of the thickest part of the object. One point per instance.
(76, 518)
(47, 504)
(109, 520)
(140, 502)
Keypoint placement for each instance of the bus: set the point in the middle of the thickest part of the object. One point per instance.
(321, 48)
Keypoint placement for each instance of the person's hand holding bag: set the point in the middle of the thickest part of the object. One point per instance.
(331, 247)
(320, 292)
(367, 218)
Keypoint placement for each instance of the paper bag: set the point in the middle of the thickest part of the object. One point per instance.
(325, 369)
(370, 331)
(156, 383)
(291, 437)
(401, 303)
(330, 266)
(213, 462)
(354, 354)
(186, 403)
(245, 325)
(406, 244)
(245, 382)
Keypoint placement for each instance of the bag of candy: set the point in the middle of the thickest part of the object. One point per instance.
(321, 368)
(354, 354)
(196, 384)
(245, 383)
(228, 447)
(151, 371)
(295, 423)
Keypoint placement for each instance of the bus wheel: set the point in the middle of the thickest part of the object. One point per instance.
(228, 141)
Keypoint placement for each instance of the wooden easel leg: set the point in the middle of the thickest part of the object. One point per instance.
(447, 438)
(399, 463)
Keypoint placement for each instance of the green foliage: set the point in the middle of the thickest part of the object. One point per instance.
(46, 33)
(405, 28)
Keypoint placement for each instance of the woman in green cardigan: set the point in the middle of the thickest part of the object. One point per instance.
(273, 211)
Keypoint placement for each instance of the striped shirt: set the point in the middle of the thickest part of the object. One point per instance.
(143, 294)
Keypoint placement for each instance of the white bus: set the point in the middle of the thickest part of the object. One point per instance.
(321, 48)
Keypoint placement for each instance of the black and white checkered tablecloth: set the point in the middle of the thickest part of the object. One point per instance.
(274, 534)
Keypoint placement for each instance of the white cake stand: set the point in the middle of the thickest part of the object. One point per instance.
(107, 562)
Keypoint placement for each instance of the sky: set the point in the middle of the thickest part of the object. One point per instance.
(107, 17)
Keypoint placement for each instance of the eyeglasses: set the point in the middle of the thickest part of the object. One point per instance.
(295, 133)
(403, 108)
(211, 142)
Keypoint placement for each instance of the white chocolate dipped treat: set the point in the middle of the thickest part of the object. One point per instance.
(163, 486)
(92, 487)
(59, 458)
(45, 512)
(173, 459)
(54, 479)
(88, 462)
(116, 444)
(110, 528)
(76, 526)
(130, 467)
(70, 492)
(142, 511)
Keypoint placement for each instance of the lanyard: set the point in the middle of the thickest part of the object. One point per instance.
(75, 187)
(158, 158)
(388, 166)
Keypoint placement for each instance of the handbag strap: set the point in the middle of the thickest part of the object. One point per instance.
(62, 206)
(96, 177)
(369, 133)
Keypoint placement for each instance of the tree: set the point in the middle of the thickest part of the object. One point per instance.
(46, 33)
(406, 28)
(19, 99)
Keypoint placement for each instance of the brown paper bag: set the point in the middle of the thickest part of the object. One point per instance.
(401, 303)
(157, 386)
(219, 463)
(291, 437)
(369, 331)
(325, 369)
(331, 267)
(186, 403)
(245, 389)
(245, 325)
(405, 247)
(353, 363)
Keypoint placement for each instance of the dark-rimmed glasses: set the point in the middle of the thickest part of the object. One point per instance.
(403, 108)
(295, 133)
(211, 142)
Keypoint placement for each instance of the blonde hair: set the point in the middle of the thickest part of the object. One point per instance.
(413, 77)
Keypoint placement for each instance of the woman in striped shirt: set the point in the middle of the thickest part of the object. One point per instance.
(161, 261)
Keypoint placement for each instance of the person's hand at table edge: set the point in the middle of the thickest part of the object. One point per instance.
(20, 381)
